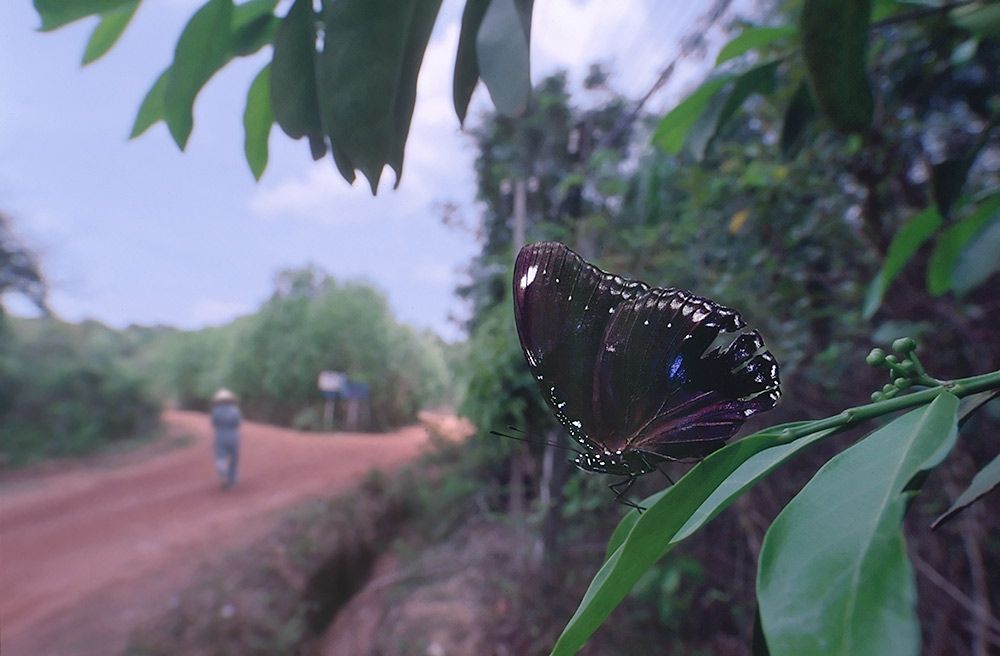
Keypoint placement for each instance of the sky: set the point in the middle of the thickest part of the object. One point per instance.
(140, 232)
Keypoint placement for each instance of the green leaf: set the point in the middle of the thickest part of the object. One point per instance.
(503, 46)
(672, 515)
(834, 577)
(834, 35)
(368, 80)
(673, 128)
(151, 110)
(466, 65)
(906, 242)
(953, 240)
(800, 111)
(985, 481)
(759, 79)
(978, 260)
(257, 121)
(753, 38)
(107, 32)
(294, 93)
(56, 13)
(948, 178)
(254, 25)
(202, 49)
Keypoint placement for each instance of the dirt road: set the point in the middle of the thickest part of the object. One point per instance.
(89, 551)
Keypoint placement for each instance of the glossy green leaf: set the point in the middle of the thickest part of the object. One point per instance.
(202, 49)
(953, 240)
(982, 19)
(108, 31)
(985, 481)
(257, 121)
(368, 69)
(834, 36)
(670, 516)
(910, 237)
(294, 94)
(503, 46)
(466, 64)
(254, 25)
(151, 110)
(673, 128)
(834, 577)
(753, 38)
(978, 260)
(56, 13)
(800, 112)
(758, 79)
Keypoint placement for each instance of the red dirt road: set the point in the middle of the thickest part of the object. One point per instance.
(86, 553)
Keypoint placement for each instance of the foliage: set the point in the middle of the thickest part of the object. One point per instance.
(310, 324)
(64, 390)
(821, 588)
(343, 75)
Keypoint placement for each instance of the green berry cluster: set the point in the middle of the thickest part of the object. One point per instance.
(905, 369)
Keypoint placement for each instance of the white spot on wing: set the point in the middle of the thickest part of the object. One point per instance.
(529, 276)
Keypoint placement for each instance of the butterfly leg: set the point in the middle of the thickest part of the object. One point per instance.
(621, 488)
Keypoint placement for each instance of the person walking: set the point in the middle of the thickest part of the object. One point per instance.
(226, 419)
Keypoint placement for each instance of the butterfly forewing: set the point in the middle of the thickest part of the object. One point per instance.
(562, 306)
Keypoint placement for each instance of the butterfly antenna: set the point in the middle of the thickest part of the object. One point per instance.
(530, 440)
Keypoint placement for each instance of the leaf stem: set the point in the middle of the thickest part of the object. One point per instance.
(960, 388)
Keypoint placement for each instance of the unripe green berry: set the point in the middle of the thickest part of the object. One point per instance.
(887, 388)
(877, 396)
(876, 357)
(892, 359)
(904, 345)
(907, 367)
(901, 383)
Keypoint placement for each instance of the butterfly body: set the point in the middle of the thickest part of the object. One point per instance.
(626, 367)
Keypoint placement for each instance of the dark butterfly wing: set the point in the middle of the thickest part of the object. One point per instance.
(562, 306)
(658, 391)
(625, 367)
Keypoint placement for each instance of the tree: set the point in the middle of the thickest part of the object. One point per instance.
(19, 272)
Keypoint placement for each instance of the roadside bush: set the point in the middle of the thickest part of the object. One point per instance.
(64, 392)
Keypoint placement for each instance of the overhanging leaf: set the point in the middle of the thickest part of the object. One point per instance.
(673, 128)
(834, 36)
(257, 121)
(108, 31)
(753, 38)
(834, 577)
(952, 241)
(294, 94)
(151, 110)
(910, 237)
(56, 13)
(254, 25)
(466, 65)
(503, 54)
(202, 49)
(670, 516)
(368, 69)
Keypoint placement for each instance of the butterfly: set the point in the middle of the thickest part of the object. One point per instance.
(624, 365)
